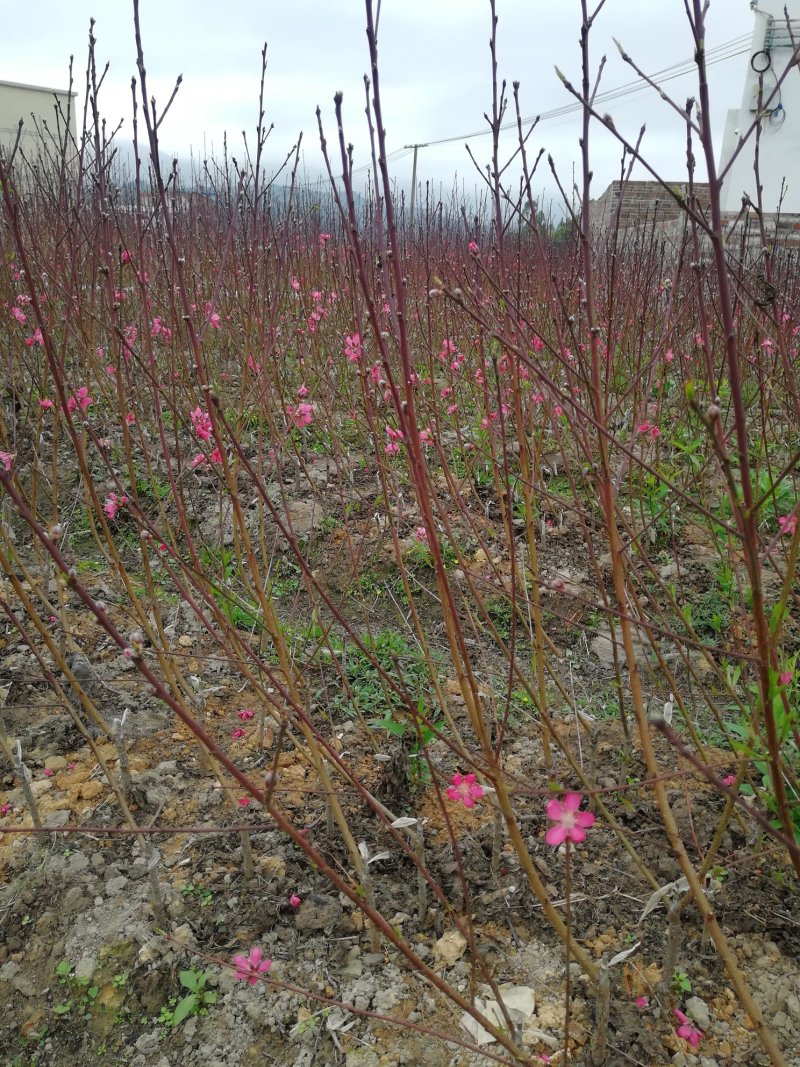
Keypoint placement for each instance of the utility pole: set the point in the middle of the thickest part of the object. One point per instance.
(416, 148)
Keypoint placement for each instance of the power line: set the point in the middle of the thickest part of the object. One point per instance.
(676, 70)
(719, 54)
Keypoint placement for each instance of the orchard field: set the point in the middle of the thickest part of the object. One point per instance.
(399, 658)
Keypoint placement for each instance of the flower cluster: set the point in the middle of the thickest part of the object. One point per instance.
(301, 415)
(352, 348)
(81, 400)
(687, 1030)
(392, 447)
(158, 329)
(214, 321)
(201, 421)
(113, 504)
(649, 428)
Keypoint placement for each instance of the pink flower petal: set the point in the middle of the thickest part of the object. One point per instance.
(555, 835)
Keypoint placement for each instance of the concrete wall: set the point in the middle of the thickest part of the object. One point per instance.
(642, 203)
(779, 148)
(23, 102)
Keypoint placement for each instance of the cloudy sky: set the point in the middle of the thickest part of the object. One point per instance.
(435, 71)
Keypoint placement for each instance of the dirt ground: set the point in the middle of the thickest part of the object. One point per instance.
(87, 974)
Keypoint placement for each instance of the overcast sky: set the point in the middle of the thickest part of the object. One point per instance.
(435, 68)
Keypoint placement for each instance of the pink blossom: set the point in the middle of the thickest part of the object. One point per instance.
(130, 418)
(6, 808)
(302, 391)
(6, 459)
(201, 421)
(473, 248)
(216, 456)
(425, 436)
(784, 678)
(464, 789)
(46, 404)
(36, 339)
(643, 427)
(421, 534)
(571, 824)
(245, 714)
(558, 411)
(302, 415)
(198, 460)
(113, 504)
(295, 900)
(130, 334)
(19, 315)
(237, 733)
(126, 256)
(669, 356)
(214, 320)
(48, 773)
(787, 524)
(323, 239)
(250, 968)
(642, 1003)
(81, 400)
(111, 370)
(244, 802)
(296, 284)
(728, 780)
(687, 1030)
(352, 348)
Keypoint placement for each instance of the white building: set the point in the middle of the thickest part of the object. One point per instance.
(779, 147)
(35, 106)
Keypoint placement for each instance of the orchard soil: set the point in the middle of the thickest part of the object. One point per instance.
(80, 899)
